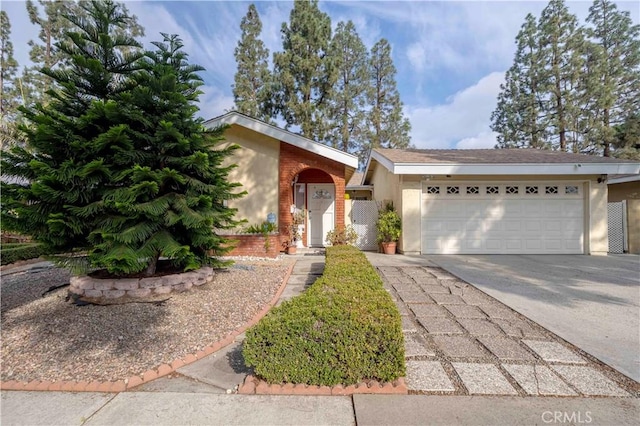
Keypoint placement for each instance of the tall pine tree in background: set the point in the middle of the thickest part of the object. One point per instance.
(346, 108)
(518, 118)
(118, 165)
(251, 91)
(8, 68)
(563, 44)
(617, 72)
(586, 80)
(303, 69)
(388, 128)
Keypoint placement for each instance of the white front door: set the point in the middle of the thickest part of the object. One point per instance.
(321, 208)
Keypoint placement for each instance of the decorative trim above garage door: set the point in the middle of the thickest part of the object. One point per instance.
(503, 217)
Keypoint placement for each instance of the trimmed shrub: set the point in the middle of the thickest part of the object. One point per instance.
(344, 329)
(11, 253)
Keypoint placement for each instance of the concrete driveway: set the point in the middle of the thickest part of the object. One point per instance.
(592, 302)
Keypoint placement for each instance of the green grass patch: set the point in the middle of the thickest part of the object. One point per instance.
(344, 329)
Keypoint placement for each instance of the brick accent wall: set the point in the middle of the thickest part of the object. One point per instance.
(253, 245)
(294, 160)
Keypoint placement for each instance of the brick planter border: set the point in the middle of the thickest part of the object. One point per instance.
(252, 386)
(155, 373)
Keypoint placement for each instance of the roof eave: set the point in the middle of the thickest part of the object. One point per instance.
(234, 117)
(624, 179)
(513, 169)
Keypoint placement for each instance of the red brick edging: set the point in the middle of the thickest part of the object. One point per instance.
(253, 385)
(147, 376)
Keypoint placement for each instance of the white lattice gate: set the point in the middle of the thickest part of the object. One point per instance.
(617, 227)
(364, 215)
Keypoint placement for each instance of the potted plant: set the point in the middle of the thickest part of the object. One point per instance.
(389, 227)
(298, 220)
(294, 236)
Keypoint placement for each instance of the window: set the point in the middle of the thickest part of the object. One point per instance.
(531, 189)
(322, 194)
(493, 189)
(453, 189)
(571, 189)
(551, 190)
(511, 190)
(433, 189)
(473, 190)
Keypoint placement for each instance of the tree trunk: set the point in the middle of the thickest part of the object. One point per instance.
(153, 263)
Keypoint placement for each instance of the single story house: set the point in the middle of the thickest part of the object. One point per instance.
(490, 201)
(281, 172)
(626, 188)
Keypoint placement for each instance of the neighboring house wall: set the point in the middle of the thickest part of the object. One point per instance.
(385, 185)
(629, 191)
(633, 225)
(624, 191)
(257, 171)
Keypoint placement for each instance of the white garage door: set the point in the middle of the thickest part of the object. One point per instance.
(499, 218)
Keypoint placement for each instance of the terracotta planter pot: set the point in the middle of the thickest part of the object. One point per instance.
(292, 249)
(389, 248)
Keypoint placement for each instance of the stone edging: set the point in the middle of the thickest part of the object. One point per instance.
(253, 385)
(113, 288)
(155, 373)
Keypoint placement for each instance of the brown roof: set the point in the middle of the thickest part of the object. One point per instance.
(490, 156)
(356, 179)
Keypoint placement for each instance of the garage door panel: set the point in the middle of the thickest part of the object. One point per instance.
(503, 223)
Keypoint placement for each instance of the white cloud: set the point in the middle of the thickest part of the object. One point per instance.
(482, 140)
(417, 56)
(214, 102)
(462, 121)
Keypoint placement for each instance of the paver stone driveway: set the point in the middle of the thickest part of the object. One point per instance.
(592, 302)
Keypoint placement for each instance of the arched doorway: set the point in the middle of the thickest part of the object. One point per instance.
(315, 192)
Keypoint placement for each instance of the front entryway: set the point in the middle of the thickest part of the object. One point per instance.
(321, 209)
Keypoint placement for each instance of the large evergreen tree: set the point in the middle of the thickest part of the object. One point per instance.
(8, 69)
(118, 165)
(616, 72)
(50, 18)
(346, 108)
(251, 91)
(303, 69)
(388, 128)
(518, 118)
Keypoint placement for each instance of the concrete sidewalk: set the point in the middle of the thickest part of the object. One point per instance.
(170, 408)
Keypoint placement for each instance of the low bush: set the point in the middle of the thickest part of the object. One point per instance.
(11, 253)
(344, 329)
(342, 236)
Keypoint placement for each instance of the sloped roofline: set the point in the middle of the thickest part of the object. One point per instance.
(234, 117)
(531, 168)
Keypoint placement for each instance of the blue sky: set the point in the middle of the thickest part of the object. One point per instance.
(451, 56)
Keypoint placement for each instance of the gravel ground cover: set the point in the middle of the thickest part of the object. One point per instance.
(48, 338)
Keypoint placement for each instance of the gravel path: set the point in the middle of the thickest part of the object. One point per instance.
(46, 338)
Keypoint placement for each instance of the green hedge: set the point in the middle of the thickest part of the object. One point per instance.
(14, 252)
(344, 329)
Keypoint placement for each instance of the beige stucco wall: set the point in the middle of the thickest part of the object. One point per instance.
(633, 225)
(257, 171)
(385, 186)
(347, 212)
(411, 203)
(597, 231)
